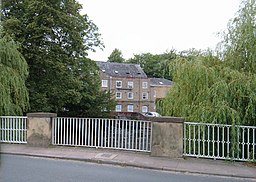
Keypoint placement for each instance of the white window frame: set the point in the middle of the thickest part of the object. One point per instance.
(144, 84)
(130, 84)
(144, 94)
(117, 84)
(118, 108)
(144, 109)
(118, 95)
(104, 83)
(128, 95)
(130, 108)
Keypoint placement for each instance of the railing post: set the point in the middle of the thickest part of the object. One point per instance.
(39, 131)
(167, 137)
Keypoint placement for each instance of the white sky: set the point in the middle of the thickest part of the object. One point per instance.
(156, 26)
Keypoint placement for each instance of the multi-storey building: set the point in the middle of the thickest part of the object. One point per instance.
(130, 86)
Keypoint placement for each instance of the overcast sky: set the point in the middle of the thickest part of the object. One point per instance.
(156, 26)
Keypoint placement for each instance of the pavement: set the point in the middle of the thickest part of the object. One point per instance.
(137, 159)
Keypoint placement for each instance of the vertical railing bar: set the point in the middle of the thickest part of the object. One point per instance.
(189, 139)
(109, 142)
(115, 132)
(95, 131)
(5, 129)
(218, 142)
(119, 133)
(69, 120)
(199, 140)
(228, 143)
(248, 143)
(243, 143)
(88, 134)
(147, 136)
(204, 140)
(223, 142)
(140, 136)
(133, 133)
(129, 135)
(98, 133)
(52, 131)
(83, 132)
(112, 133)
(253, 144)
(213, 141)
(61, 131)
(208, 140)
(126, 133)
(194, 140)
(17, 129)
(92, 131)
(143, 135)
(136, 137)
(79, 132)
(105, 133)
(122, 139)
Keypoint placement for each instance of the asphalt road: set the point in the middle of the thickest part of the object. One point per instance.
(30, 169)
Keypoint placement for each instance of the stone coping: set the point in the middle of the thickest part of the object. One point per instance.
(166, 119)
(42, 115)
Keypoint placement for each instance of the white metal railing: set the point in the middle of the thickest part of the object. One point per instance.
(220, 141)
(102, 133)
(13, 129)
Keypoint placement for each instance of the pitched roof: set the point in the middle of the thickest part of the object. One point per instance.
(160, 82)
(122, 69)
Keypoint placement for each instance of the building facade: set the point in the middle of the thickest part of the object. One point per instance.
(129, 85)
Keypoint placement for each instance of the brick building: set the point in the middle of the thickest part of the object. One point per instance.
(132, 89)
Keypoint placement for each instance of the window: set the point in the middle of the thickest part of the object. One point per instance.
(144, 108)
(144, 95)
(130, 108)
(118, 95)
(130, 84)
(104, 83)
(144, 84)
(130, 95)
(118, 108)
(118, 84)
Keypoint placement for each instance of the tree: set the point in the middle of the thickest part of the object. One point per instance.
(206, 90)
(155, 65)
(239, 43)
(14, 71)
(94, 102)
(219, 90)
(116, 56)
(54, 40)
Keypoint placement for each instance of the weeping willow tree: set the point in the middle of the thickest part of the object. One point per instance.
(239, 41)
(13, 74)
(206, 90)
(219, 90)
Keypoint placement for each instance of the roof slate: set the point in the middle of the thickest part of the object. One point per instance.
(122, 69)
(160, 81)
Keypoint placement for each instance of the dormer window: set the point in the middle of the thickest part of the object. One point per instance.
(116, 72)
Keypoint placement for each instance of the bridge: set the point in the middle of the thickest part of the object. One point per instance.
(163, 136)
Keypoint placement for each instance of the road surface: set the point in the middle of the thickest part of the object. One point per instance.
(30, 169)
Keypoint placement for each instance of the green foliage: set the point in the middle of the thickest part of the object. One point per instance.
(116, 56)
(54, 40)
(155, 65)
(13, 74)
(209, 89)
(239, 43)
(94, 102)
(206, 90)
